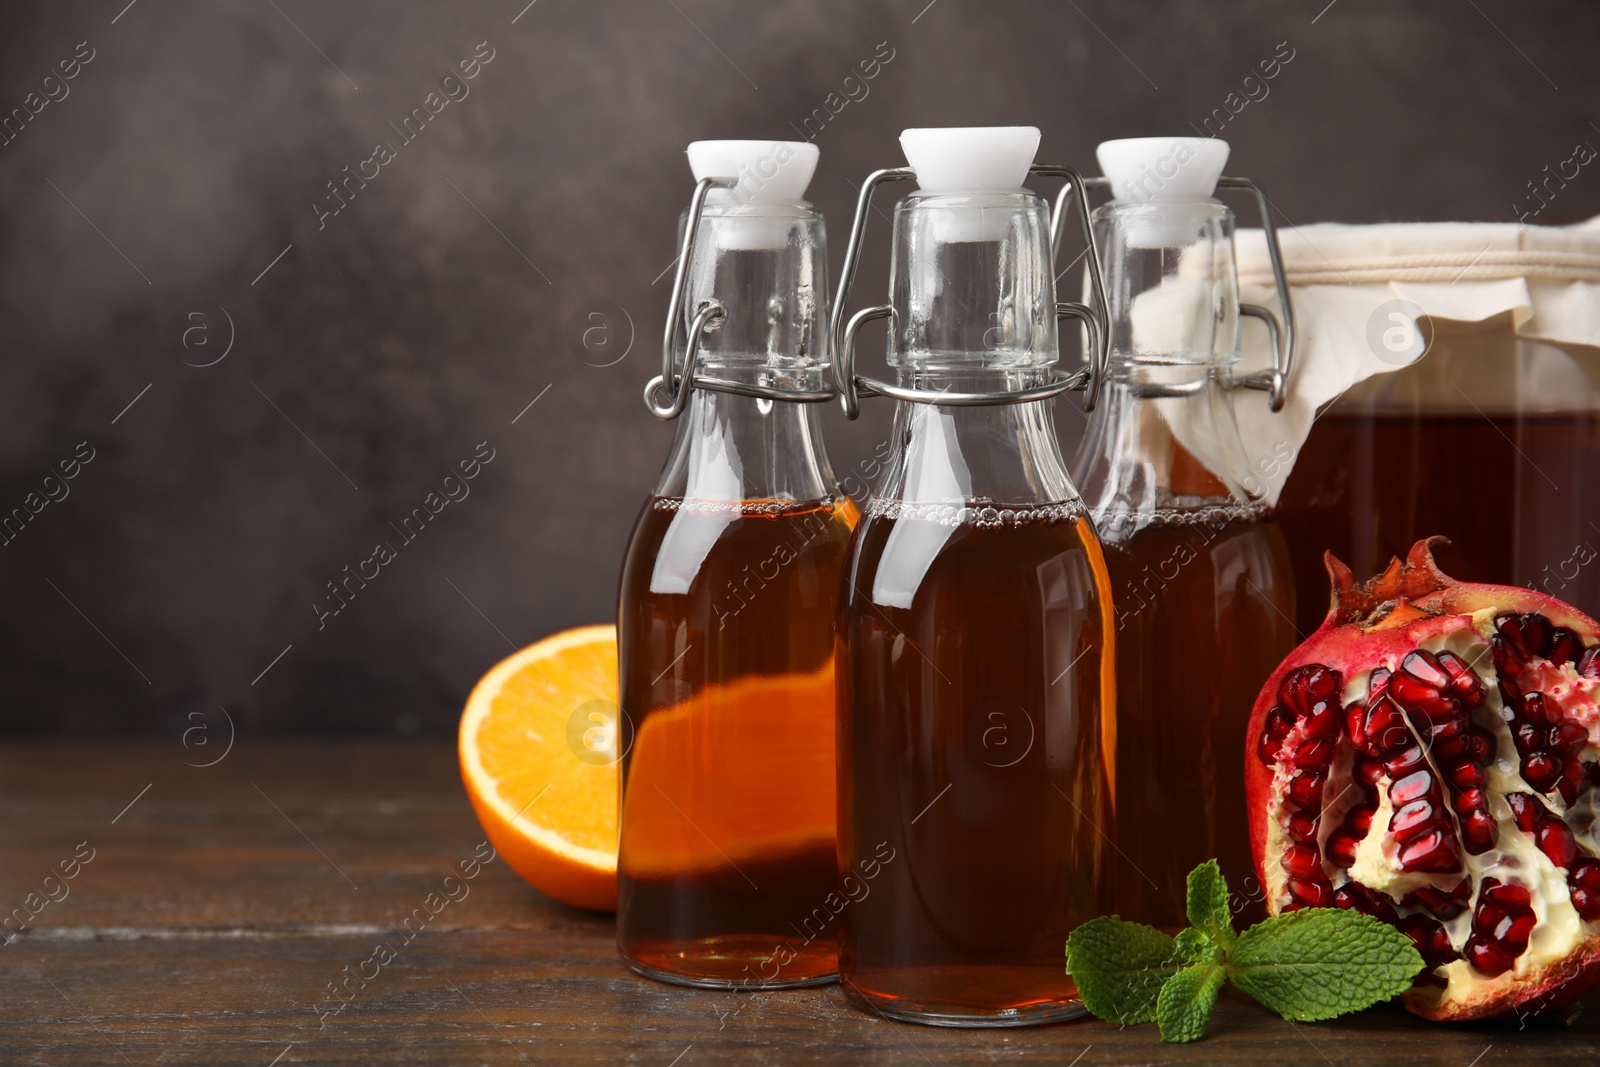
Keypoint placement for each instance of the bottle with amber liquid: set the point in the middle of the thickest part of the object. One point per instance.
(725, 867)
(1200, 576)
(976, 689)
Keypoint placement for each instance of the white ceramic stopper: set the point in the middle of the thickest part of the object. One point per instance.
(768, 172)
(971, 159)
(1163, 169)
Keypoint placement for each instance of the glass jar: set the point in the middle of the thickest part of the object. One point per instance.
(1476, 416)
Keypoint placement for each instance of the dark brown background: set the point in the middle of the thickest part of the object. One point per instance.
(453, 290)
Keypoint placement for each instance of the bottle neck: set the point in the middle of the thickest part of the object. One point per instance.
(993, 455)
(733, 449)
(974, 302)
(765, 265)
(1164, 440)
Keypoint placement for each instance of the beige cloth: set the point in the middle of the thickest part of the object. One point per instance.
(1343, 280)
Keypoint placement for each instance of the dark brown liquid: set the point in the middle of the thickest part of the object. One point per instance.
(1204, 603)
(1519, 499)
(727, 692)
(973, 721)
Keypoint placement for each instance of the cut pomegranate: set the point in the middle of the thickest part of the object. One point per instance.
(1429, 757)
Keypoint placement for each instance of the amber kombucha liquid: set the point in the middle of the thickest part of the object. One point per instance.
(725, 870)
(976, 705)
(1204, 602)
(1518, 497)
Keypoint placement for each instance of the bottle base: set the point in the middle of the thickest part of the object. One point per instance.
(755, 985)
(733, 961)
(965, 1016)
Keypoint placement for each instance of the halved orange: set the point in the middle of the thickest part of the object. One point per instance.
(538, 756)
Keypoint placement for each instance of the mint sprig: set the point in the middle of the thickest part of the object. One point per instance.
(1307, 965)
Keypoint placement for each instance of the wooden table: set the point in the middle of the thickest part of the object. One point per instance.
(224, 904)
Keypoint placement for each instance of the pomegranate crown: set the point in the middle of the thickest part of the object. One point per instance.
(1393, 598)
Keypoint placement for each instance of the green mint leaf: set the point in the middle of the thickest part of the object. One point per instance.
(1208, 903)
(1319, 963)
(1119, 968)
(1196, 946)
(1184, 1007)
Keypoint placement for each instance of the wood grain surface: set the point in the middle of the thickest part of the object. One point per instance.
(221, 909)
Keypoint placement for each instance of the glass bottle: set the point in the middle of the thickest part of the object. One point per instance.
(975, 663)
(1200, 574)
(726, 860)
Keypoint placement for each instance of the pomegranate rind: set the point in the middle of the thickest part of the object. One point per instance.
(1539, 991)
(1412, 604)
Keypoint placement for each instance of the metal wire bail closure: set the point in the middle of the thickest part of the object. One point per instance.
(851, 386)
(1274, 382)
(667, 394)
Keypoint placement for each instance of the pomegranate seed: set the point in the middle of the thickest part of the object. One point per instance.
(1422, 667)
(1302, 861)
(1586, 872)
(1571, 779)
(1483, 745)
(1342, 845)
(1315, 754)
(1488, 918)
(1525, 809)
(1355, 724)
(1366, 770)
(1302, 825)
(1556, 841)
(1306, 789)
(1311, 894)
(1567, 738)
(1465, 775)
(1279, 722)
(1445, 906)
(1412, 787)
(1406, 762)
(1412, 819)
(1306, 686)
(1516, 929)
(1587, 903)
(1432, 851)
(1478, 832)
(1505, 894)
(1360, 818)
(1526, 738)
(1541, 772)
(1589, 665)
(1463, 681)
(1324, 720)
(1527, 635)
(1277, 726)
(1536, 709)
(1565, 646)
(1432, 942)
(1353, 896)
(1324, 683)
(1420, 696)
(1501, 926)
(1487, 958)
